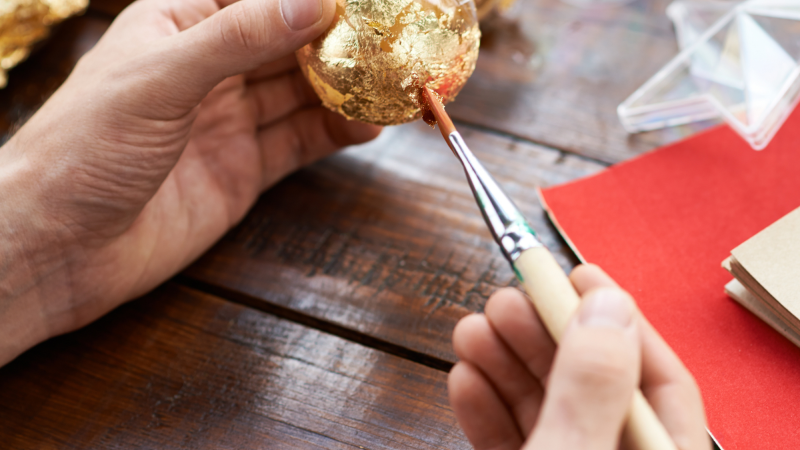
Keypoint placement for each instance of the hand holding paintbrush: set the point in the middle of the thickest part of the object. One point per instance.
(548, 287)
(507, 358)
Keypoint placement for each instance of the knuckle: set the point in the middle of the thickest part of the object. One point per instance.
(238, 31)
(474, 339)
(501, 296)
(464, 331)
(469, 327)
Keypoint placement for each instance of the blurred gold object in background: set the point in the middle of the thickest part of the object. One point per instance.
(376, 57)
(487, 6)
(23, 23)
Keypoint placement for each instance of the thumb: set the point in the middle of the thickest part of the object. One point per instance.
(240, 37)
(595, 372)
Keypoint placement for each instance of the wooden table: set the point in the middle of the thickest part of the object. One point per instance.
(324, 318)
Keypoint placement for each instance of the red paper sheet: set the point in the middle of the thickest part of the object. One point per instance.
(661, 225)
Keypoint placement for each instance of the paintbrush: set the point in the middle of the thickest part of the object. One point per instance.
(548, 287)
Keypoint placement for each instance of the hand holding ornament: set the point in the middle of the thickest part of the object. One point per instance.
(160, 141)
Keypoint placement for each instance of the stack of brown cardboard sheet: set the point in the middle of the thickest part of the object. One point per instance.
(766, 270)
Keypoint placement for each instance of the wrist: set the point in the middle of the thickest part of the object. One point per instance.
(34, 281)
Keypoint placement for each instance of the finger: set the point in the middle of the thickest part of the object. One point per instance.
(515, 320)
(589, 276)
(305, 137)
(594, 375)
(672, 391)
(480, 411)
(477, 343)
(146, 20)
(287, 63)
(667, 384)
(277, 97)
(186, 14)
(240, 38)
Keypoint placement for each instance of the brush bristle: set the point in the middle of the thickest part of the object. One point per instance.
(445, 123)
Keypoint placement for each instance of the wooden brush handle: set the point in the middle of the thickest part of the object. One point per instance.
(556, 301)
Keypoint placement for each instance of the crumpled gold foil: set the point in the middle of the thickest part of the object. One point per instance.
(25, 22)
(486, 6)
(377, 55)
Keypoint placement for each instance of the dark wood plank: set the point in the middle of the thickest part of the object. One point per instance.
(386, 239)
(554, 74)
(33, 81)
(179, 369)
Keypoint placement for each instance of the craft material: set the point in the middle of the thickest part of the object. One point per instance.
(660, 225)
(744, 68)
(372, 62)
(23, 23)
(766, 269)
(545, 282)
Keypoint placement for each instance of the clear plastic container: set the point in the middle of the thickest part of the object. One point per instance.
(739, 61)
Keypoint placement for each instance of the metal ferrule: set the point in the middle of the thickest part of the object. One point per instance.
(508, 226)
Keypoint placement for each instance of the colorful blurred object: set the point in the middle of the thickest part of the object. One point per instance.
(486, 6)
(739, 61)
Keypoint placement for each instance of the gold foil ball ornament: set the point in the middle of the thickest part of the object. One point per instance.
(373, 61)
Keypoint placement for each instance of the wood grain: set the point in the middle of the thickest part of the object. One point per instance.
(553, 73)
(386, 239)
(179, 369)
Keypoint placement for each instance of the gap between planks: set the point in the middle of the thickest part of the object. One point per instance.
(316, 323)
(461, 124)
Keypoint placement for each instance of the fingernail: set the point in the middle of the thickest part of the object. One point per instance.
(606, 308)
(301, 14)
